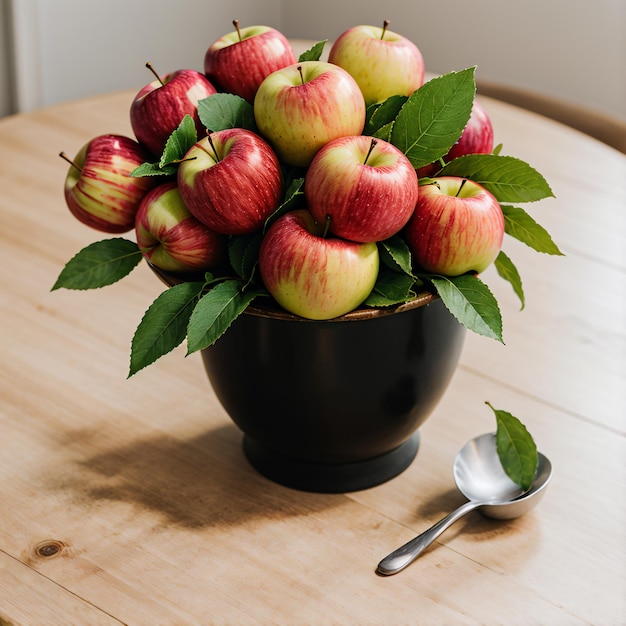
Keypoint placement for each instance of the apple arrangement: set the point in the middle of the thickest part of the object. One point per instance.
(307, 184)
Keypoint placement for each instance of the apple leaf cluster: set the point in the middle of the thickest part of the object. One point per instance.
(424, 126)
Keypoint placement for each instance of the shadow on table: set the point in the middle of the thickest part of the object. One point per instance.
(196, 482)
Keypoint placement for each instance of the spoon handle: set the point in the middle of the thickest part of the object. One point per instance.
(405, 555)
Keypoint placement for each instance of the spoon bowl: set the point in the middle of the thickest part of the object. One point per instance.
(480, 477)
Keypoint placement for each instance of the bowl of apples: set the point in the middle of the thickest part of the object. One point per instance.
(321, 228)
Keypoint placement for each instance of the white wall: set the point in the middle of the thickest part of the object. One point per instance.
(571, 49)
(74, 48)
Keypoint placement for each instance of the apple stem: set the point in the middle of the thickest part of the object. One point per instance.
(210, 140)
(149, 66)
(66, 158)
(301, 74)
(372, 146)
(326, 227)
(385, 27)
(236, 25)
(461, 187)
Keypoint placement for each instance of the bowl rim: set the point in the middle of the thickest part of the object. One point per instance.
(268, 308)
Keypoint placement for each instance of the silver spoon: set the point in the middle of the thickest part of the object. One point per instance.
(479, 475)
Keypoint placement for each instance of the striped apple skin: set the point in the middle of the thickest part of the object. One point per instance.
(100, 191)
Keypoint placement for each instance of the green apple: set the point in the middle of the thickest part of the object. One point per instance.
(303, 106)
(382, 62)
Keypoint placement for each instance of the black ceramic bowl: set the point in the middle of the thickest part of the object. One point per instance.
(334, 406)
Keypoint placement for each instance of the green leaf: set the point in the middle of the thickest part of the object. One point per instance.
(471, 302)
(243, 253)
(395, 254)
(226, 110)
(521, 226)
(507, 270)
(291, 198)
(434, 116)
(508, 178)
(179, 142)
(176, 147)
(314, 53)
(381, 116)
(391, 288)
(516, 449)
(99, 264)
(154, 169)
(164, 325)
(216, 311)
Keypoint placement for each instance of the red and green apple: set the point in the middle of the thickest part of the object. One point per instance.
(382, 62)
(239, 61)
(311, 275)
(99, 190)
(231, 181)
(366, 188)
(171, 238)
(159, 107)
(457, 227)
(303, 106)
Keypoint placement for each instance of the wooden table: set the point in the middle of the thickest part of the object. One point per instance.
(129, 501)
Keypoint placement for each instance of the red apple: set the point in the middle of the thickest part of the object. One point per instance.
(382, 62)
(231, 181)
(366, 187)
(457, 227)
(239, 61)
(476, 138)
(171, 238)
(158, 108)
(312, 276)
(303, 106)
(99, 190)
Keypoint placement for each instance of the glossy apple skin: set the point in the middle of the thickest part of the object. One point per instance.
(171, 238)
(298, 117)
(235, 193)
(477, 138)
(311, 276)
(453, 235)
(365, 201)
(104, 195)
(239, 67)
(157, 110)
(382, 68)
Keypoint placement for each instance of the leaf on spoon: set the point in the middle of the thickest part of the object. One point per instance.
(516, 449)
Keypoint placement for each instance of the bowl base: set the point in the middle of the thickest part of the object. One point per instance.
(330, 477)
